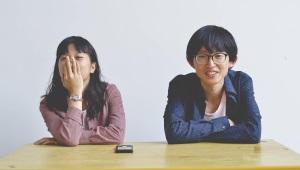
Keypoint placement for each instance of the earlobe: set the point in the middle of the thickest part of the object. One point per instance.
(93, 68)
(231, 64)
(192, 64)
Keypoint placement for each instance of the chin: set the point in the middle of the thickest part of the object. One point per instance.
(213, 81)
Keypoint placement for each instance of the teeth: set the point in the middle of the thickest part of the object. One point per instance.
(211, 72)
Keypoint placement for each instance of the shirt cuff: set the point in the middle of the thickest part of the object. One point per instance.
(220, 124)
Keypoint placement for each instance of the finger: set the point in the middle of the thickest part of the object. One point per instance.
(74, 70)
(68, 64)
(61, 73)
(54, 143)
(38, 142)
(61, 69)
(78, 68)
(47, 142)
(50, 142)
(65, 72)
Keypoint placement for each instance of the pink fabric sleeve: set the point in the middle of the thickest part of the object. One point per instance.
(114, 132)
(66, 127)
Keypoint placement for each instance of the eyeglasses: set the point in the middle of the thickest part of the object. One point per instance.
(217, 57)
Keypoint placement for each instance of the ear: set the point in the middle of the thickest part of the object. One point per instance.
(93, 67)
(192, 63)
(231, 64)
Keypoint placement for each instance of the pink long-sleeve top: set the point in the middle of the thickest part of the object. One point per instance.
(72, 127)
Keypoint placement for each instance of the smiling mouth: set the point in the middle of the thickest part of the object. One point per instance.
(211, 74)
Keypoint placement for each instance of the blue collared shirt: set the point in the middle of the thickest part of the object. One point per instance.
(183, 118)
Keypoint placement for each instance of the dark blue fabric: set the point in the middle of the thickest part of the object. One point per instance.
(183, 118)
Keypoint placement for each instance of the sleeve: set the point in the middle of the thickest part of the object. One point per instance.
(67, 128)
(180, 130)
(247, 130)
(114, 132)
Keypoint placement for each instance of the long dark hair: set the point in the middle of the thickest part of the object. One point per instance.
(94, 94)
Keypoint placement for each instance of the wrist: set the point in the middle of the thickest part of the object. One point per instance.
(77, 104)
(75, 93)
(75, 98)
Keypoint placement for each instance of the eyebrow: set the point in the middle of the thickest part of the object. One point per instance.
(79, 55)
(203, 53)
(216, 52)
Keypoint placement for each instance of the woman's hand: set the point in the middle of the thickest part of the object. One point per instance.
(46, 141)
(71, 77)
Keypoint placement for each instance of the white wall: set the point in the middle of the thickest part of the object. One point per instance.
(142, 46)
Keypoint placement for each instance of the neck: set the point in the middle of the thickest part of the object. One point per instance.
(213, 92)
(85, 83)
(84, 103)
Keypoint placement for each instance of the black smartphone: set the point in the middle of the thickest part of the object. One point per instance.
(124, 149)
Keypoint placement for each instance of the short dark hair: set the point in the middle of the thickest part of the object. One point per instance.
(212, 38)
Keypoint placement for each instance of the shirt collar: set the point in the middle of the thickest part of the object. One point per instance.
(229, 88)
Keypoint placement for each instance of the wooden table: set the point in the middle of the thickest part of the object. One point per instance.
(155, 155)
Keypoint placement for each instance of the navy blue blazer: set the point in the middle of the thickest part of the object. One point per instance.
(183, 118)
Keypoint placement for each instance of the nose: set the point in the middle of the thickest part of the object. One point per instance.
(210, 61)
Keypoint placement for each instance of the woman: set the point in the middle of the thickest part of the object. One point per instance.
(215, 103)
(80, 108)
